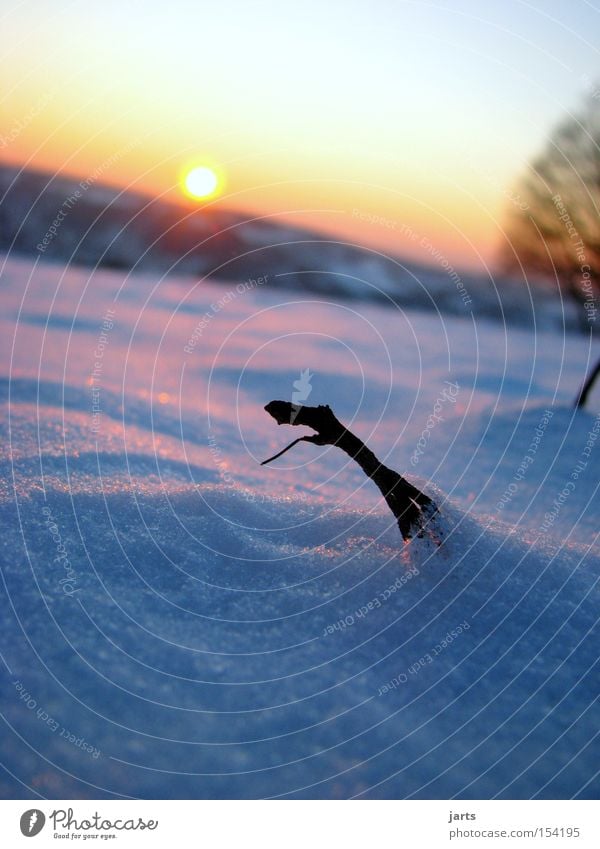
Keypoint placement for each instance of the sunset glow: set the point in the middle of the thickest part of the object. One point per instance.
(201, 183)
(408, 145)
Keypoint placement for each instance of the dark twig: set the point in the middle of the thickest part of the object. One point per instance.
(587, 386)
(287, 448)
(411, 507)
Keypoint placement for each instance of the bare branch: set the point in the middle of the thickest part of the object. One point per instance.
(411, 507)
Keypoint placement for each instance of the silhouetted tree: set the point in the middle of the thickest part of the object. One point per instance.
(553, 227)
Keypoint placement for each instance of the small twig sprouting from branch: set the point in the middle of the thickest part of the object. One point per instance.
(287, 448)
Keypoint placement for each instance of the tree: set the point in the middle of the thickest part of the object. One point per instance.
(553, 227)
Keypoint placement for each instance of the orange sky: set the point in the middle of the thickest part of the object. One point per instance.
(409, 125)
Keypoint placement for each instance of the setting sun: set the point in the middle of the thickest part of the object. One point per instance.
(201, 182)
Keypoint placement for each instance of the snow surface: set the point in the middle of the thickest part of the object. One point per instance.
(182, 622)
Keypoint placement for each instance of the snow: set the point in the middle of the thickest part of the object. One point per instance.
(182, 622)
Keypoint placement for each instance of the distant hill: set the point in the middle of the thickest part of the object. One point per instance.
(63, 220)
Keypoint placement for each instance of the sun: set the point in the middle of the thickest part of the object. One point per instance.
(201, 182)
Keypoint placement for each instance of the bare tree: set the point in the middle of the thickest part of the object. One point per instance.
(553, 227)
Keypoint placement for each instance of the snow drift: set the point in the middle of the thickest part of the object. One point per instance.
(179, 622)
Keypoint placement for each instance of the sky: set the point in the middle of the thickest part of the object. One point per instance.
(382, 123)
